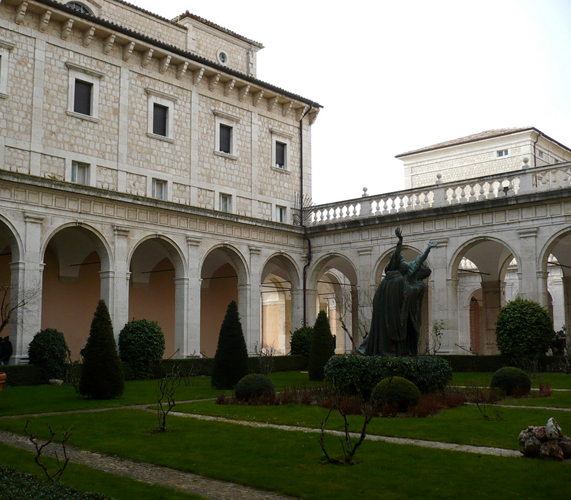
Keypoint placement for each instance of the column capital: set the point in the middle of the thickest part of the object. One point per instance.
(34, 217)
(528, 232)
(121, 231)
(193, 241)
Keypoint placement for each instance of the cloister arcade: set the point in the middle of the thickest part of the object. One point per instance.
(184, 280)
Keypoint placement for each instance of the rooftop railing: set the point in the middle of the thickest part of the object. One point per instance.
(518, 182)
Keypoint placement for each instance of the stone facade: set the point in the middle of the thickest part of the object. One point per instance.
(487, 153)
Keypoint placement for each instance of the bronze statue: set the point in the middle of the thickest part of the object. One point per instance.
(397, 306)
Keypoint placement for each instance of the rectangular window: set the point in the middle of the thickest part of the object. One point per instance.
(160, 119)
(281, 149)
(280, 214)
(225, 139)
(225, 203)
(159, 189)
(80, 173)
(502, 152)
(82, 100)
(540, 154)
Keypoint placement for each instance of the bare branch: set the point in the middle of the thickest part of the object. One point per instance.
(55, 477)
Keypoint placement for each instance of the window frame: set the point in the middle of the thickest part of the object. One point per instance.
(221, 118)
(164, 186)
(5, 49)
(167, 101)
(281, 137)
(88, 75)
(502, 153)
(281, 214)
(229, 205)
(75, 164)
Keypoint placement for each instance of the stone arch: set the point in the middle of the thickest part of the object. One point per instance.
(77, 260)
(224, 277)
(334, 287)
(157, 288)
(489, 259)
(554, 264)
(280, 301)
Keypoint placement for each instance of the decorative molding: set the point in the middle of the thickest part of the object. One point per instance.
(243, 92)
(228, 86)
(66, 29)
(257, 97)
(128, 51)
(6, 45)
(254, 250)
(213, 81)
(84, 69)
(299, 112)
(21, 12)
(88, 36)
(45, 20)
(147, 57)
(528, 233)
(272, 103)
(34, 217)
(108, 44)
(121, 231)
(193, 241)
(181, 69)
(227, 116)
(197, 76)
(165, 62)
(286, 108)
(313, 117)
(281, 133)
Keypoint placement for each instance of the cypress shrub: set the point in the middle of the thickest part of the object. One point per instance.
(322, 347)
(524, 332)
(231, 358)
(300, 342)
(48, 351)
(102, 374)
(142, 345)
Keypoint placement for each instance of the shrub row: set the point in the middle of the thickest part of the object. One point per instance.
(473, 363)
(19, 375)
(15, 484)
(362, 373)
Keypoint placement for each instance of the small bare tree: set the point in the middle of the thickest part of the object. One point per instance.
(265, 357)
(9, 305)
(55, 477)
(349, 446)
(167, 388)
(434, 342)
(346, 297)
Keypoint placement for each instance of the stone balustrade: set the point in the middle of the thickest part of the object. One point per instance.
(519, 182)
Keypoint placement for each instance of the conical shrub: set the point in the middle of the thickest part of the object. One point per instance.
(231, 358)
(102, 374)
(322, 347)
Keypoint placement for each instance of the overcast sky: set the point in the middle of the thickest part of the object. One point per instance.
(399, 75)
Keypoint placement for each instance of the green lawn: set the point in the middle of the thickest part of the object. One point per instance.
(555, 380)
(290, 462)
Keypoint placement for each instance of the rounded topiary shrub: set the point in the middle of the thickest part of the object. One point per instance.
(322, 347)
(49, 352)
(524, 331)
(142, 345)
(396, 390)
(300, 342)
(253, 386)
(512, 381)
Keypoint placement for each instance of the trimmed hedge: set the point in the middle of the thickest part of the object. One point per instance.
(254, 385)
(142, 345)
(473, 363)
(21, 375)
(363, 373)
(48, 351)
(16, 484)
(512, 381)
(396, 390)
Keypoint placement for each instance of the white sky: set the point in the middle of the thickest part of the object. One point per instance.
(399, 75)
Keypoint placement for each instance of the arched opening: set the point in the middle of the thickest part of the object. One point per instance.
(222, 273)
(486, 270)
(279, 279)
(73, 258)
(153, 294)
(9, 300)
(337, 293)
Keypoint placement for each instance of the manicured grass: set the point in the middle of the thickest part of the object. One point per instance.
(47, 398)
(555, 380)
(289, 462)
(86, 479)
(463, 425)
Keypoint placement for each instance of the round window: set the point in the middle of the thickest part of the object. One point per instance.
(222, 57)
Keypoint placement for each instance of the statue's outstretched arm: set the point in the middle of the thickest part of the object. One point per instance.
(415, 266)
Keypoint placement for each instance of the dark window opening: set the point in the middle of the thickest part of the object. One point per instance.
(160, 116)
(280, 154)
(225, 139)
(82, 101)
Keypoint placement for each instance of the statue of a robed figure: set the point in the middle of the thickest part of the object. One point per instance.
(397, 306)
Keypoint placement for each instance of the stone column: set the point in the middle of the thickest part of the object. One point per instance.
(119, 306)
(192, 338)
(254, 329)
(528, 285)
(362, 308)
(26, 287)
(244, 309)
(567, 303)
(542, 293)
(180, 316)
(492, 293)
(296, 309)
(444, 297)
